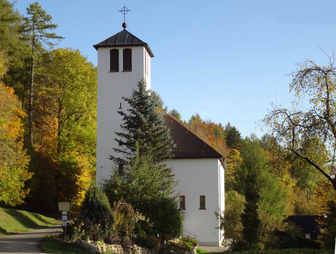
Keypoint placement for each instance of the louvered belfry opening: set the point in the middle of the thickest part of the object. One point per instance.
(114, 60)
(127, 60)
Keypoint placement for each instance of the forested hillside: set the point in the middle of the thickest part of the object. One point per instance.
(48, 113)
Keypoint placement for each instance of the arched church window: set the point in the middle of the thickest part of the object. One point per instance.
(127, 60)
(114, 60)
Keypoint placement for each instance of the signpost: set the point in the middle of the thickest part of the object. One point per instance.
(64, 207)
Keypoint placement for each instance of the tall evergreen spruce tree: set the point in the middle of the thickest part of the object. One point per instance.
(143, 131)
(253, 166)
(144, 146)
(250, 218)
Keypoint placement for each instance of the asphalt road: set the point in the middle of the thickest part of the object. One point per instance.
(26, 242)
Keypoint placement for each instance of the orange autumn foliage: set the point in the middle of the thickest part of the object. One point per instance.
(210, 132)
(13, 158)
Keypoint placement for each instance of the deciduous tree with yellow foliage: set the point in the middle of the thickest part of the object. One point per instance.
(65, 127)
(13, 159)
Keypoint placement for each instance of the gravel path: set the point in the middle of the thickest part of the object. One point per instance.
(26, 242)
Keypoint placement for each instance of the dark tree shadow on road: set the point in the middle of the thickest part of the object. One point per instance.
(3, 232)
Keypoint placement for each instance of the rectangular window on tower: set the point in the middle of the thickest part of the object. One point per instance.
(114, 60)
(127, 60)
(146, 63)
(202, 203)
(182, 203)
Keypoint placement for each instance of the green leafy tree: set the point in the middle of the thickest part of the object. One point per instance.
(265, 196)
(35, 29)
(66, 106)
(309, 119)
(143, 128)
(307, 176)
(230, 219)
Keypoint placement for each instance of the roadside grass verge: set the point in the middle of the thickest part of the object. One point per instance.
(18, 221)
(52, 245)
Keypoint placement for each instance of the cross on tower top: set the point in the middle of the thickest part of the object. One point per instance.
(124, 11)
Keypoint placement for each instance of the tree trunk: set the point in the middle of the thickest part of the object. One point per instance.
(31, 133)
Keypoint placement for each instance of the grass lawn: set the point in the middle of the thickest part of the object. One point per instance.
(18, 221)
(52, 245)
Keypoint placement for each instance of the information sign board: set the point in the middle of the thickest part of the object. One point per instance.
(64, 206)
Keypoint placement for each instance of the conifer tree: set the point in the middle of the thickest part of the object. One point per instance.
(233, 137)
(144, 146)
(15, 49)
(250, 218)
(35, 29)
(96, 209)
(253, 165)
(143, 131)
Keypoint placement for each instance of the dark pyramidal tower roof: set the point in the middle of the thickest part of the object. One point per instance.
(123, 39)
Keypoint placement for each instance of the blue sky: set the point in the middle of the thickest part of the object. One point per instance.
(224, 59)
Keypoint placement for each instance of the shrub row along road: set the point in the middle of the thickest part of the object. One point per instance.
(26, 242)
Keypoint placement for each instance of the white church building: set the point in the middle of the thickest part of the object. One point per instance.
(123, 60)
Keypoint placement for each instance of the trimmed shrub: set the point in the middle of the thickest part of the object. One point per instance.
(96, 213)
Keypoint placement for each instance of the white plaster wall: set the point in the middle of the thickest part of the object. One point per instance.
(221, 180)
(198, 177)
(112, 86)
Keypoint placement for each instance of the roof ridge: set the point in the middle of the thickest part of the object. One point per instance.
(134, 37)
(195, 134)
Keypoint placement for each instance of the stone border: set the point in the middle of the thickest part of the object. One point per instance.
(119, 249)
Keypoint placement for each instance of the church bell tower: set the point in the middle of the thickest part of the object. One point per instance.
(123, 60)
